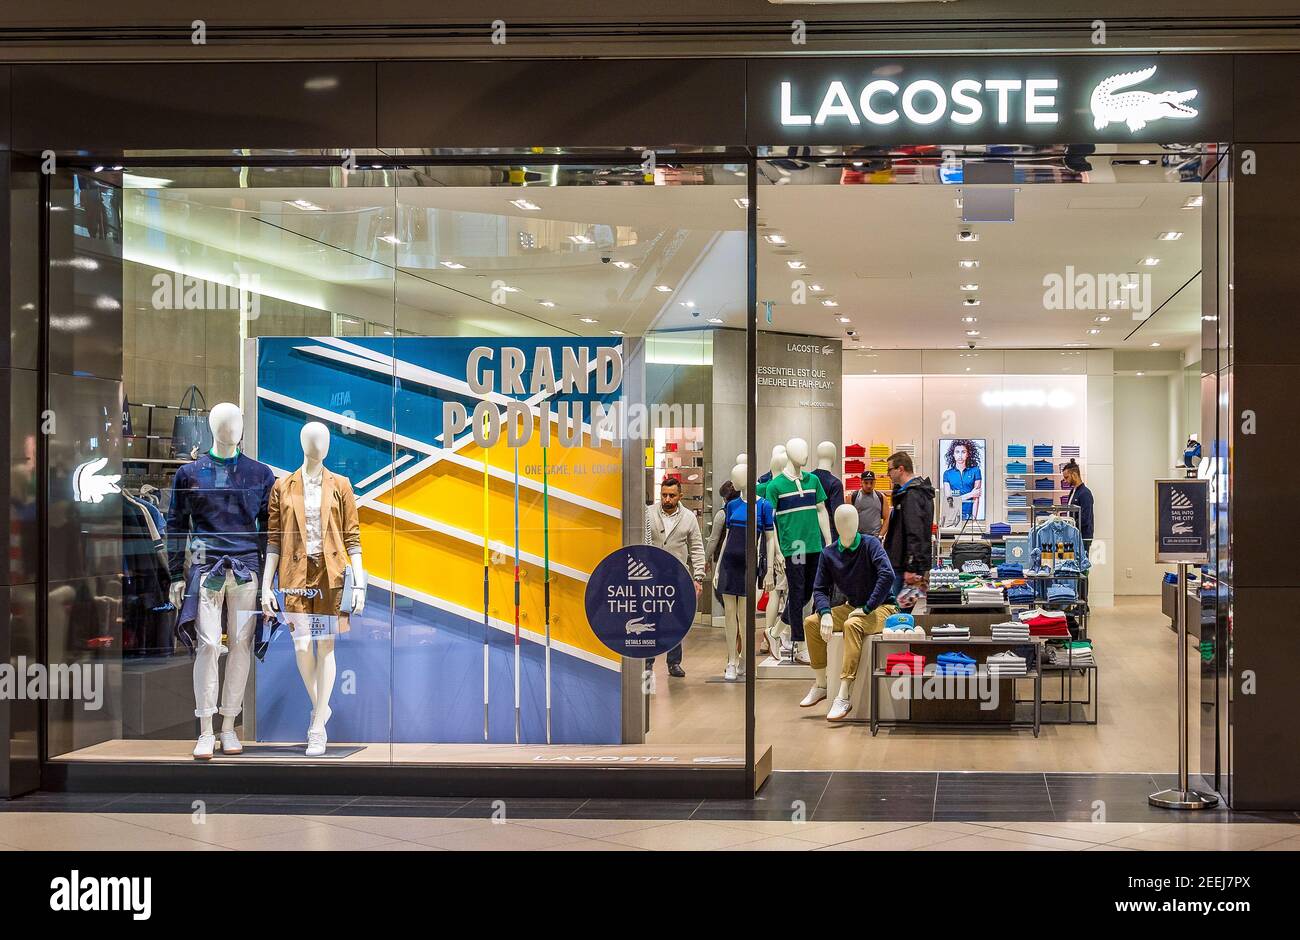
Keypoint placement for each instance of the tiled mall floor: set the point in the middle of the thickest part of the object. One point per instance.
(794, 811)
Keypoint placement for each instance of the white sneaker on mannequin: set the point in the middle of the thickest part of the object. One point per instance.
(230, 745)
(315, 743)
(730, 674)
(801, 655)
(816, 694)
(203, 749)
(840, 709)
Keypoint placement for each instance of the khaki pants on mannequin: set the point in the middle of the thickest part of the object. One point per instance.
(242, 613)
(854, 625)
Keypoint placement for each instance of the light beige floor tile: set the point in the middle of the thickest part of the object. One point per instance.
(400, 846)
(591, 845)
(831, 832)
(913, 837)
(501, 837)
(1214, 836)
(1083, 831)
(404, 828)
(219, 828)
(315, 838)
(592, 828)
(685, 837)
(985, 844)
(86, 831)
(1037, 838)
(1286, 845)
(773, 844)
(1108, 848)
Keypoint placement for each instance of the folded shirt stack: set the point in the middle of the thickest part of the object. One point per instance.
(1007, 664)
(904, 664)
(985, 595)
(1048, 627)
(1044, 483)
(1017, 450)
(1076, 653)
(1011, 632)
(1020, 594)
(1015, 516)
(1043, 502)
(1070, 450)
(944, 577)
(954, 664)
(975, 567)
(1014, 483)
(943, 596)
(1017, 466)
(1042, 450)
(949, 631)
(1011, 569)
(1044, 466)
(1061, 592)
(1017, 500)
(998, 529)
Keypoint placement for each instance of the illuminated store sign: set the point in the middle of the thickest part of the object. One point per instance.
(89, 487)
(925, 101)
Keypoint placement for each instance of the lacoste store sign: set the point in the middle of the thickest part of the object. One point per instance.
(1067, 99)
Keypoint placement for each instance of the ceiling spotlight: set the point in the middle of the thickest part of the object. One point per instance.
(828, 302)
(970, 302)
(774, 238)
(547, 303)
(816, 288)
(969, 287)
(1130, 284)
(663, 288)
(688, 303)
(525, 205)
(625, 265)
(1074, 345)
(968, 263)
(844, 319)
(1094, 332)
(795, 265)
(1154, 344)
(1150, 262)
(580, 240)
(616, 332)
(588, 320)
(454, 265)
(968, 236)
(1102, 319)
(972, 332)
(715, 319)
(970, 319)
(1145, 162)
(509, 290)
(1169, 236)
(1195, 202)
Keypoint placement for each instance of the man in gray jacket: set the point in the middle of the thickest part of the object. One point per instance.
(677, 532)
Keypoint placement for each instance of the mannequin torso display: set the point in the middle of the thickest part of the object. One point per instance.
(802, 528)
(825, 472)
(732, 580)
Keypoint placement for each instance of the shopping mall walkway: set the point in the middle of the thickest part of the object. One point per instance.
(794, 812)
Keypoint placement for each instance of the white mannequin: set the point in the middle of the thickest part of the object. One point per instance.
(733, 614)
(796, 451)
(846, 528)
(315, 660)
(742, 459)
(227, 424)
(776, 628)
(826, 452)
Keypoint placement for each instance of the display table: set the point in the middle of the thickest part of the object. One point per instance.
(977, 647)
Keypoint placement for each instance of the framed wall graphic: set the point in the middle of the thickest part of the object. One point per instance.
(962, 487)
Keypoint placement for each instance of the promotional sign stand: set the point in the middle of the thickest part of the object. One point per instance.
(1182, 537)
(546, 583)
(487, 591)
(517, 708)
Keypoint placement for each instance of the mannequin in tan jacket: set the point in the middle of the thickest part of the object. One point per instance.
(312, 537)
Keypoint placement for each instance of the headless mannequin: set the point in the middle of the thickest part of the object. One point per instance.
(733, 613)
(846, 529)
(227, 424)
(315, 660)
(796, 450)
(776, 603)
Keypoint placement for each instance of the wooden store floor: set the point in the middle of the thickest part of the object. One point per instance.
(1136, 731)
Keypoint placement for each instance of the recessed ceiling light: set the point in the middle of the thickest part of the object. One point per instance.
(969, 287)
(1131, 284)
(688, 303)
(617, 332)
(1072, 345)
(968, 236)
(525, 205)
(1150, 262)
(971, 302)
(844, 319)
(774, 238)
(663, 288)
(1155, 344)
(589, 320)
(1139, 374)
(1195, 202)
(580, 239)
(795, 265)
(816, 288)
(509, 290)
(970, 319)
(454, 265)
(828, 302)
(625, 265)
(304, 205)
(1094, 332)
(968, 263)
(1145, 162)
(1169, 236)
(547, 303)
(972, 332)
(1102, 319)
(715, 319)
(742, 202)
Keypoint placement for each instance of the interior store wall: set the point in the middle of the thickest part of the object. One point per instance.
(1142, 434)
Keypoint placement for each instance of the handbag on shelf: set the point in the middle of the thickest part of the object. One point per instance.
(190, 432)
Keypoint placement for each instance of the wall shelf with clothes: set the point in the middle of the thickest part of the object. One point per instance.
(679, 452)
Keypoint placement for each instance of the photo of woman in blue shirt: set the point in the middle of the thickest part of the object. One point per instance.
(963, 482)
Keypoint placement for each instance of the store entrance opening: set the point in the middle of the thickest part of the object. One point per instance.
(1012, 347)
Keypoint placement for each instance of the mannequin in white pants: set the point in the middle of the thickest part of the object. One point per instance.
(240, 603)
(315, 655)
(734, 579)
(774, 625)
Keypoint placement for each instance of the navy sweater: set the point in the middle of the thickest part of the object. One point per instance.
(222, 503)
(863, 574)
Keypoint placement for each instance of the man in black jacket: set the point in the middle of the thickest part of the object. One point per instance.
(907, 540)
